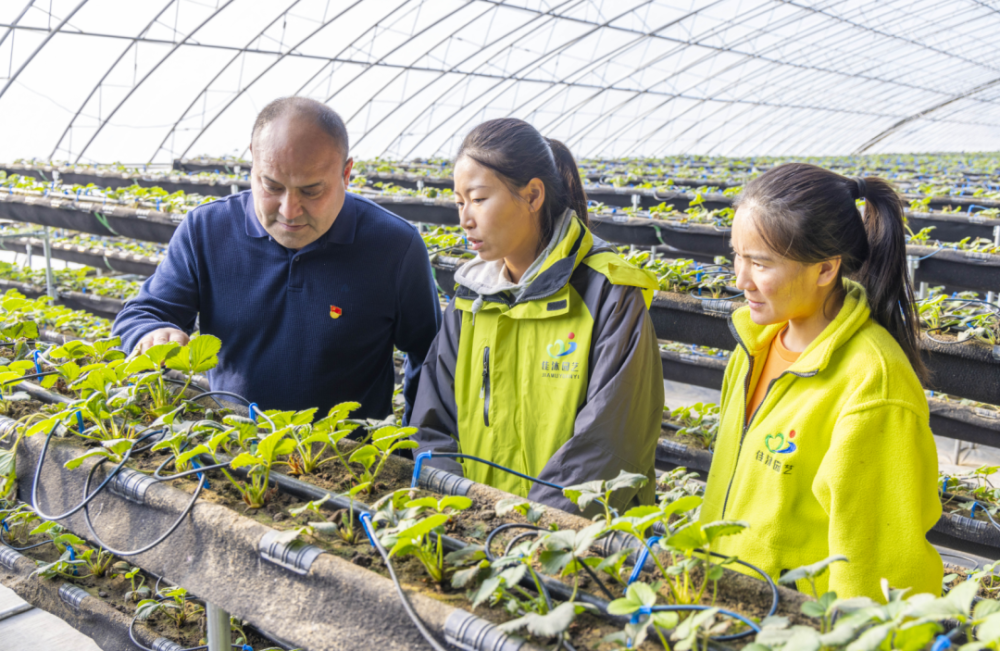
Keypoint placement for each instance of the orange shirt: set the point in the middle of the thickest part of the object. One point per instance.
(778, 360)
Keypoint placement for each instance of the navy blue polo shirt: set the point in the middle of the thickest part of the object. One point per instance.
(273, 307)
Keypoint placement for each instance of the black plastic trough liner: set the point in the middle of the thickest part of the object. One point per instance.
(101, 306)
(649, 198)
(84, 611)
(211, 165)
(294, 593)
(90, 217)
(953, 227)
(970, 270)
(108, 258)
(111, 179)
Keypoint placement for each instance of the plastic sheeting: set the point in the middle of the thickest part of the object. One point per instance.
(138, 82)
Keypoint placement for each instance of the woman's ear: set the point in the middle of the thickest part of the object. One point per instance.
(534, 194)
(829, 270)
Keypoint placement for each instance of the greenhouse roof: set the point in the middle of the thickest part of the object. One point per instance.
(150, 81)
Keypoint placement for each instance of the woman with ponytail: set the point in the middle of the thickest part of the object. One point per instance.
(824, 442)
(547, 362)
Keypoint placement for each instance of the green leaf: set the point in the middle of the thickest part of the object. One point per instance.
(983, 609)
(364, 455)
(183, 459)
(688, 537)
(74, 463)
(553, 562)
(626, 480)
(810, 571)
(421, 528)
(266, 449)
(642, 592)
(118, 446)
(988, 632)
(624, 606)
(667, 620)
(426, 502)
(813, 609)
(204, 351)
(871, 639)
(162, 352)
(138, 365)
(244, 459)
(8, 462)
(715, 530)
(284, 447)
(550, 625)
(146, 609)
(455, 502)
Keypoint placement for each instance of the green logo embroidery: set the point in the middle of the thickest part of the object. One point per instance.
(776, 443)
(559, 348)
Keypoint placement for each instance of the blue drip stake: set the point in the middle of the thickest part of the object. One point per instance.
(253, 411)
(79, 421)
(640, 562)
(38, 369)
(366, 524)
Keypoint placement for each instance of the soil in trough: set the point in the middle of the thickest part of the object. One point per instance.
(112, 588)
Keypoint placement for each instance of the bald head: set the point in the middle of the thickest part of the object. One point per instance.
(307, 113)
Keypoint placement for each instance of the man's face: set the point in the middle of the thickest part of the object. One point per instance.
(298, 180)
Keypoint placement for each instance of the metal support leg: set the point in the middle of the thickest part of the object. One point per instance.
(50, 288)
(958, 452)
(636, 201)
(922, 294)
(219, 635)
(27, 250)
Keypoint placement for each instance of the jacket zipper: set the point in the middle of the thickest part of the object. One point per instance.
(743, 415)
(486, 386)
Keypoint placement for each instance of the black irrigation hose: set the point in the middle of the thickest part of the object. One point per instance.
(87, 499)
(21, 549)
(407, 606)
(131, 635)
(166, 534)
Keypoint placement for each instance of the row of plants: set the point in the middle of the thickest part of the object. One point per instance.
(133, 196)
(121, 399)
(76, 280)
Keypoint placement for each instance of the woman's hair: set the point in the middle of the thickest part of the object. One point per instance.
(517, 153)
(808, 214)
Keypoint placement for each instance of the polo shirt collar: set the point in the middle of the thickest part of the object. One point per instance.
(342, 231)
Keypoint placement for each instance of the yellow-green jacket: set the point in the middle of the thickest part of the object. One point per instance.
(837, 459)
(558, 377)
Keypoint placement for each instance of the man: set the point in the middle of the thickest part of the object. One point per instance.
(308, 286)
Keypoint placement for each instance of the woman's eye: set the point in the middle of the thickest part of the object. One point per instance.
(478, 200)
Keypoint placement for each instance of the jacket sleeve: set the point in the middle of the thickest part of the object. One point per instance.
(418, 316)
(170, 298)
(879, 517)
(619, 424)
(435, 413)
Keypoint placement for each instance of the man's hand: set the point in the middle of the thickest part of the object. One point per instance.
(161, 336)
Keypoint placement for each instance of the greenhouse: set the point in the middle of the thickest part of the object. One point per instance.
(499, 325)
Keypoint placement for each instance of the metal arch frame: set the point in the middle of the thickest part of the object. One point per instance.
(420, 90)
(465, 77)
(279, 60)
(729, 49)
(219, 74)
(41, 45)
(595, 122)
(10, 30)
(511, 76)
(703, 101)
(645, 38)
(100, 82)
(369, 66)
(177, 46)
(916, 116)
(745, 58)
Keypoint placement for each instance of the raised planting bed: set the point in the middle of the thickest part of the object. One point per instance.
(297, 542)
(649, 198)
(115, 179)
(220, 165)
(968, 270)
(101, 306)
(953, 227)
(107, 258)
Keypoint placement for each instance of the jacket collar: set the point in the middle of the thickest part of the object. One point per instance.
(557, 268)
(342, 231)
(853, 315)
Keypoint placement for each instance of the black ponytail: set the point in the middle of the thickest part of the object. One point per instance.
(517, 153)
(809, 214)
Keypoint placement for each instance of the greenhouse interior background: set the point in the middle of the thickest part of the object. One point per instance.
(244, 406)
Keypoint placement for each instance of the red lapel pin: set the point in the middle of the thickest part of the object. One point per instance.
(335, 312)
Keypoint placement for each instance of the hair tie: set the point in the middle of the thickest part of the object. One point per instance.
(861, 187)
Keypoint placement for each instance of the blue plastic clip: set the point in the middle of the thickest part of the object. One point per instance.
(941, 642)
(643, 610)
(79, 421)
(72, 557)
(199, 475)
(418, 464)
(246, 647)
(253, 411)
(38, 369)
(158, 202)
(640, 562)
(4, 523)
(976, 505)
(366, 524)
(972, 205)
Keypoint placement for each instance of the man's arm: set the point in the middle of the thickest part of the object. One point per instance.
(168, 302)
(418, 315)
